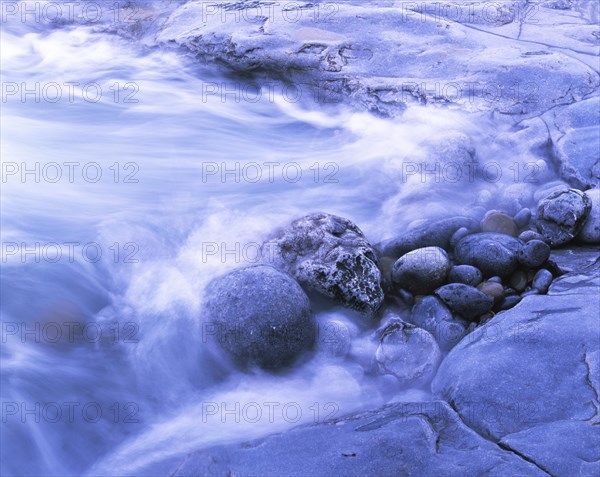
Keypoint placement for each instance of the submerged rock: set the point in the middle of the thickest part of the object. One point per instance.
(407, 352)
(421, 271)
(492, 253)
(260, 316)
(561, 215)
(330, 255)
(433, 316)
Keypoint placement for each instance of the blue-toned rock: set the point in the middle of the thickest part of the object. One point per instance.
(492, 253)
(329, 254)
(261, 316)
(590, 233)
(433, 316)
(421, 271)
(534, 253)
(464, 300)
(542, 280)
(466, 274)
(561, 216)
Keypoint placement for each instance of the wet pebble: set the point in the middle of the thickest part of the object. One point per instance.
(493, 289)
(522, 218)
(534, 253)
(421, 271)
(542, 280)
(498, 222)
(561, 215)
(466, 274)
(518, 281)
(464, 300)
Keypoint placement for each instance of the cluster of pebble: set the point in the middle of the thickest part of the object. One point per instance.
(443, 280)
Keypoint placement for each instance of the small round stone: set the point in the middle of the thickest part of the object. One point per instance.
(421, 271)
(528, 235)
(590, 233)
(522, 218)
(493, 289)
(492, 253)
(534, 254)
(529, 293)
(542, 280)
(498, 222)
(518, 281)
(495, 279)
(466, 274)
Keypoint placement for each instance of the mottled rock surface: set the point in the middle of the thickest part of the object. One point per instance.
(330, 255)
(561, 216)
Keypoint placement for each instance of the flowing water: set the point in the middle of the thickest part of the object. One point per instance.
(117, 210)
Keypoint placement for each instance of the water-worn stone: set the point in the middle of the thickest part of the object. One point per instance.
(534, 253)
(464, 300)
(458, 236)
(466, 274)
(493, 289)
(330, 255)
(542, 280)
(433, 316)
(529, 378)
(407, 352)
(561, 216)
(590, 233)
(522, 218)
(498, 222)
(435, 234)
(493, 254)
(529, 235)
(509, 301)
(421, 271)
(518, 280)
(261, 316)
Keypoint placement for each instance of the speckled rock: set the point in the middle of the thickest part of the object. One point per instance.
(534, 253)
(330, 255)
(561, 215)
(542, 280)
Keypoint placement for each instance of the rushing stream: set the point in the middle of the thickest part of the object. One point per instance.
(129, 180)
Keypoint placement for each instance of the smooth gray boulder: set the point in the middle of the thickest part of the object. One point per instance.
(494, 254)
(561, 216)
(533, 370)
(421, 271)
(261, 316)
(398, 440)
(328, 254)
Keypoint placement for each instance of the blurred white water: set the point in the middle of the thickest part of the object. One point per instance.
(174, 205)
